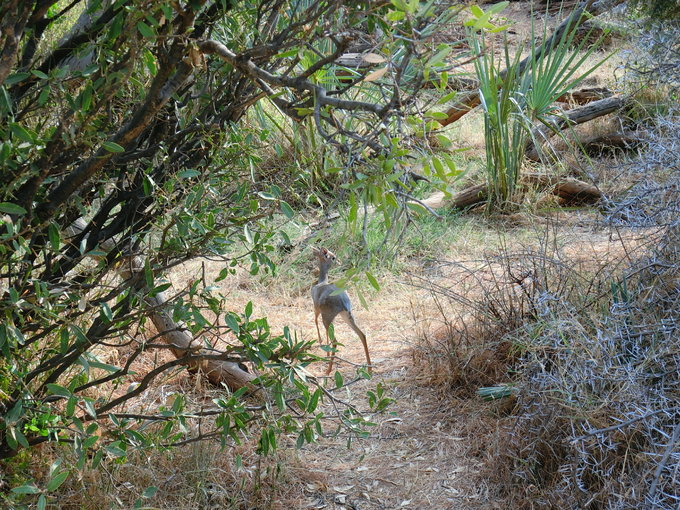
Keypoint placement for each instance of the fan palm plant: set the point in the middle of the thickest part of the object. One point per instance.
(516, 93)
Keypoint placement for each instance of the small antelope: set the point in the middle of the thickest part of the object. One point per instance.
(330, 303)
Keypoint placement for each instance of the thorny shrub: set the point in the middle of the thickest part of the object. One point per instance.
(591, 352)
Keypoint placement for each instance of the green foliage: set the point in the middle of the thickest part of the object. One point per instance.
(127, 148)
(517, 93)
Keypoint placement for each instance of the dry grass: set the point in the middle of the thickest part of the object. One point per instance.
(586, 333)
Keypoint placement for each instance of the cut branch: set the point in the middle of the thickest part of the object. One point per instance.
(557, 123)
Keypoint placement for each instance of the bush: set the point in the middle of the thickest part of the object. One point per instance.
(595, 347)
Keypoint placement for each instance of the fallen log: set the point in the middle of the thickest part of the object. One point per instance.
(469, 197)
(571, 191)
(175, 334)
(601, 144)
(557, 123)
(585, 96)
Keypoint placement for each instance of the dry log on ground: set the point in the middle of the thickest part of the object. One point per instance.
(572, 191)
(175, 334)
(605, 143)
(465, 199)
(468, 101)
(570, 118)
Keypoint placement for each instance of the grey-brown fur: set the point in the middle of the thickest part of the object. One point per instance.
(330, 305)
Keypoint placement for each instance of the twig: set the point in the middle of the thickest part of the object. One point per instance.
(622, 424)
(664, 460)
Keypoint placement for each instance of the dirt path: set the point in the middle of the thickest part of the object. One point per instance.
(417, 456)
(414, 456)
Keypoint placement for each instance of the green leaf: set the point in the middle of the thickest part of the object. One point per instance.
(90, 442)
(338, 380)
(39, 74)
(16, 78)
(42, 502)
(372, 280)
(188, 174)
(113, 147)
(89, 407)
(57, 480)
(314, 401)
(247, 234)
(115, 449)
(71, 406)
(150, 492)
(21, 132)
(232, 323)
(97, 459)
(396, 15)
(150, 62)
(353, 209)
(437, 115)
(278, 398)
(106, 311)
(21, 438)
(439, 56)
(447, 97)
(287, 54)
(9, 208)
(58, 390)
(53, 234)
(86, 98)
(444, 141)
(10, 438)
(148, 274)
(29, 488)
(159, 288)
(104, 366)
(439, 168)
(287, 209)
(145, 30)
(496, 8)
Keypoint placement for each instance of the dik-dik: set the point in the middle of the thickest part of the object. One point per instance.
(330, 302)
